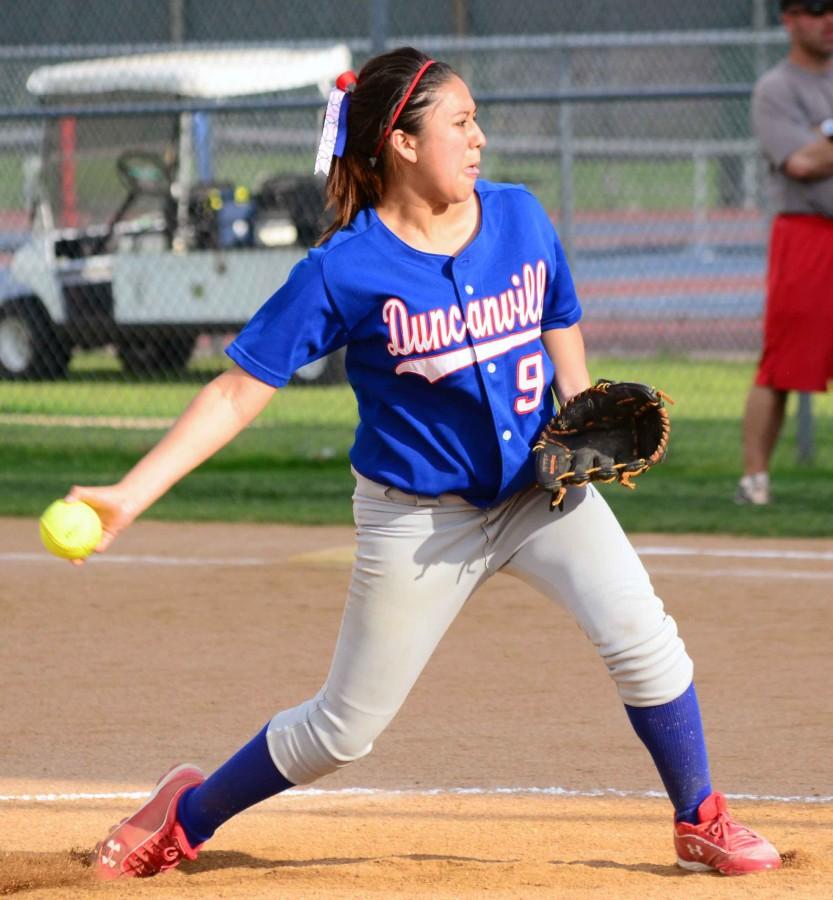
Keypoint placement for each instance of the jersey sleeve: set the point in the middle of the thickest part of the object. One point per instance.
(778, 121)
(298, 324)
(561, 305)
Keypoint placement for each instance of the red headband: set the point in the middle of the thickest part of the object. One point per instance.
(401, 106)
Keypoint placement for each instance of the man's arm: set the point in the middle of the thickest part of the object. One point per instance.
(787, 139)
(812, 162)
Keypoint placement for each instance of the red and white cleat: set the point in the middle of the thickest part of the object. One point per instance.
(151, 840)
(718, 843)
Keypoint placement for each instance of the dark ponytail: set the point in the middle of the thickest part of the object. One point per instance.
(355, 180)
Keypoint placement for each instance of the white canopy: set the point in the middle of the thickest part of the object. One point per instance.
(196, 73)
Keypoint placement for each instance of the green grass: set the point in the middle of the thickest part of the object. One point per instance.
(599, 185)
(11, 181)
(97, 387)
(292, 466)
(653, 184)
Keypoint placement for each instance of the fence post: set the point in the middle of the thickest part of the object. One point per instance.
(804, 435)
(700, 199)
(750, 179)
(760, 20)
(566, 211)
(186, 179)
(176, 15)
(378, 26)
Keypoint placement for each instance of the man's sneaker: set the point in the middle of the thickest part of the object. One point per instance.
(718, 843)
(151, 840)
(753, 489)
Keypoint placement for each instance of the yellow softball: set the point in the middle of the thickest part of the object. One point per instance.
(70, 530)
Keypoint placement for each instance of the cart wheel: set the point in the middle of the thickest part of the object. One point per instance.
(30, 347)
(327, 370)
(155, 354)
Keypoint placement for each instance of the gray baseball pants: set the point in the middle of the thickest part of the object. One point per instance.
(418, 559)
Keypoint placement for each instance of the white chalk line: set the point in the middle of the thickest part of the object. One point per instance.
(303, 793)
(768, 574)
(141, 559)
(744, 553)
(662, 551)
(138, 423)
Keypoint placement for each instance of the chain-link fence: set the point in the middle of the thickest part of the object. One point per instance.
(156, 187)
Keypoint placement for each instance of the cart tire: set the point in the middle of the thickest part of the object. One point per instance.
(30, 346)
(327, 370)
(155, 354)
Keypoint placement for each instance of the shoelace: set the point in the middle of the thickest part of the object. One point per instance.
(723, 823)
(719, 825)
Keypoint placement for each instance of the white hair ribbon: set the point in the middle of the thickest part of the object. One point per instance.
(334, 132)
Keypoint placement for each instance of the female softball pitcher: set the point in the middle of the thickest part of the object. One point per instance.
(458, 311)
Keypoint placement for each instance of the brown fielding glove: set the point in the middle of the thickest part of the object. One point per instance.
(613, 431)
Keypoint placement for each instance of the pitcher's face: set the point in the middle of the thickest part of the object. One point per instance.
(449, 143)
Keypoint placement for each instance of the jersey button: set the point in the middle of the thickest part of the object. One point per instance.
(491, 368)
(507, 434)
(469, 289)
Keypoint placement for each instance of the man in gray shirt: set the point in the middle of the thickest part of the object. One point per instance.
(792, 114)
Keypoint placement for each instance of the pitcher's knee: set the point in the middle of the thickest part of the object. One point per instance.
(655, 669)
(313, 740)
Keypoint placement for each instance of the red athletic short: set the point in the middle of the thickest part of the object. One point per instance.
(798, 326)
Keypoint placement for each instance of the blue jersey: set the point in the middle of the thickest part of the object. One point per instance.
(444, 353)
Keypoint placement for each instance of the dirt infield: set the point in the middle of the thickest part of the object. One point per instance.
(511, 771)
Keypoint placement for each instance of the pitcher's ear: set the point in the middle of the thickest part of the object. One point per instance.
(403, 144)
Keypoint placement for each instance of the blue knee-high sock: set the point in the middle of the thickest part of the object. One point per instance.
(673, 734)
(247, 778)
